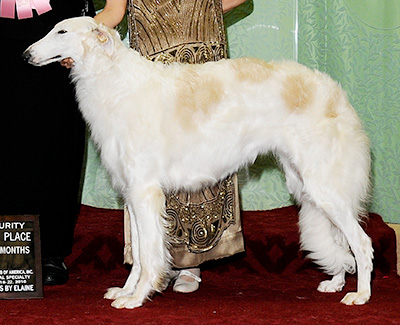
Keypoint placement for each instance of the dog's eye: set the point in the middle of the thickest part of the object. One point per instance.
(62, 31)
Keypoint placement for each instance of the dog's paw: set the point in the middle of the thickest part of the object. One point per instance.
(356, 298)
(116, 292)
(330, 286)
(128, 302)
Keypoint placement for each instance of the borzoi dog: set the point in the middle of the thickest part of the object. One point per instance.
(166, 127)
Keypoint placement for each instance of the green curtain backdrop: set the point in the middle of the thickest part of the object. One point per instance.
(356, 42)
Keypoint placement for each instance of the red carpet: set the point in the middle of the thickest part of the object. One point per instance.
(270, 284)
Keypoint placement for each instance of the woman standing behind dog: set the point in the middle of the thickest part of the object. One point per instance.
(42, 132)
(204, 225)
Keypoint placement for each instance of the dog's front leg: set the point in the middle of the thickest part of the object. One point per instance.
(133, 278)
(149, 207)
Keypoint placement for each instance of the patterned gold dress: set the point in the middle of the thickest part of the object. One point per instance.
(204, 225)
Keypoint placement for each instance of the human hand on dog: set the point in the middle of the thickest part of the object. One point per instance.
(68, 63)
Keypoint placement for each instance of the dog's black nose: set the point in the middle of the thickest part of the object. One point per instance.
(26, 55)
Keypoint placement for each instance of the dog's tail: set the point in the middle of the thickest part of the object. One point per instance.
(323, 242)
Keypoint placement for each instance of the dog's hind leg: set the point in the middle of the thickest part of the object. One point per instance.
(361, 246)
(133, 278)
(317, 233)
(326, 246)
(149, 207)
(347, 232)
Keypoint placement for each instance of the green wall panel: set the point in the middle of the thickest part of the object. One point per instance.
(357, 42)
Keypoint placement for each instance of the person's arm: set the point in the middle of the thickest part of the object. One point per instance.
(112, 14)
(230, 4)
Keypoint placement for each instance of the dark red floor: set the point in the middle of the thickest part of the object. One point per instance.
(270, 284)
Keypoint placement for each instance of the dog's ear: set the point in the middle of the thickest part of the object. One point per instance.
(105, 40)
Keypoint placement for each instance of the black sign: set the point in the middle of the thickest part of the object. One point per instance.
(20, 260)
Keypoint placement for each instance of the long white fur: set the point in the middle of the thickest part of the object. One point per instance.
(161, 128)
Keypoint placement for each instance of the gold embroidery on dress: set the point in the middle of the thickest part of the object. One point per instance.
(189, 31)
(199, 220)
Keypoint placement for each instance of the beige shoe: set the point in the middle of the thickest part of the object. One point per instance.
(187, 281)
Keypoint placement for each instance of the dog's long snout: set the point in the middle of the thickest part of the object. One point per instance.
(26, 56)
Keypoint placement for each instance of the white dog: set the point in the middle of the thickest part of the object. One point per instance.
(179, 126)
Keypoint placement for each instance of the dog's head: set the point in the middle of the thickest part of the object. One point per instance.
(72, 38)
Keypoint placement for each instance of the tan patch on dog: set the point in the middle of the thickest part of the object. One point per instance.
(297, 92)
(253, 70)
(331, 106)
(196, 96)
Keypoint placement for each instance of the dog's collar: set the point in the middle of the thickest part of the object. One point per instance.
(23, 8)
